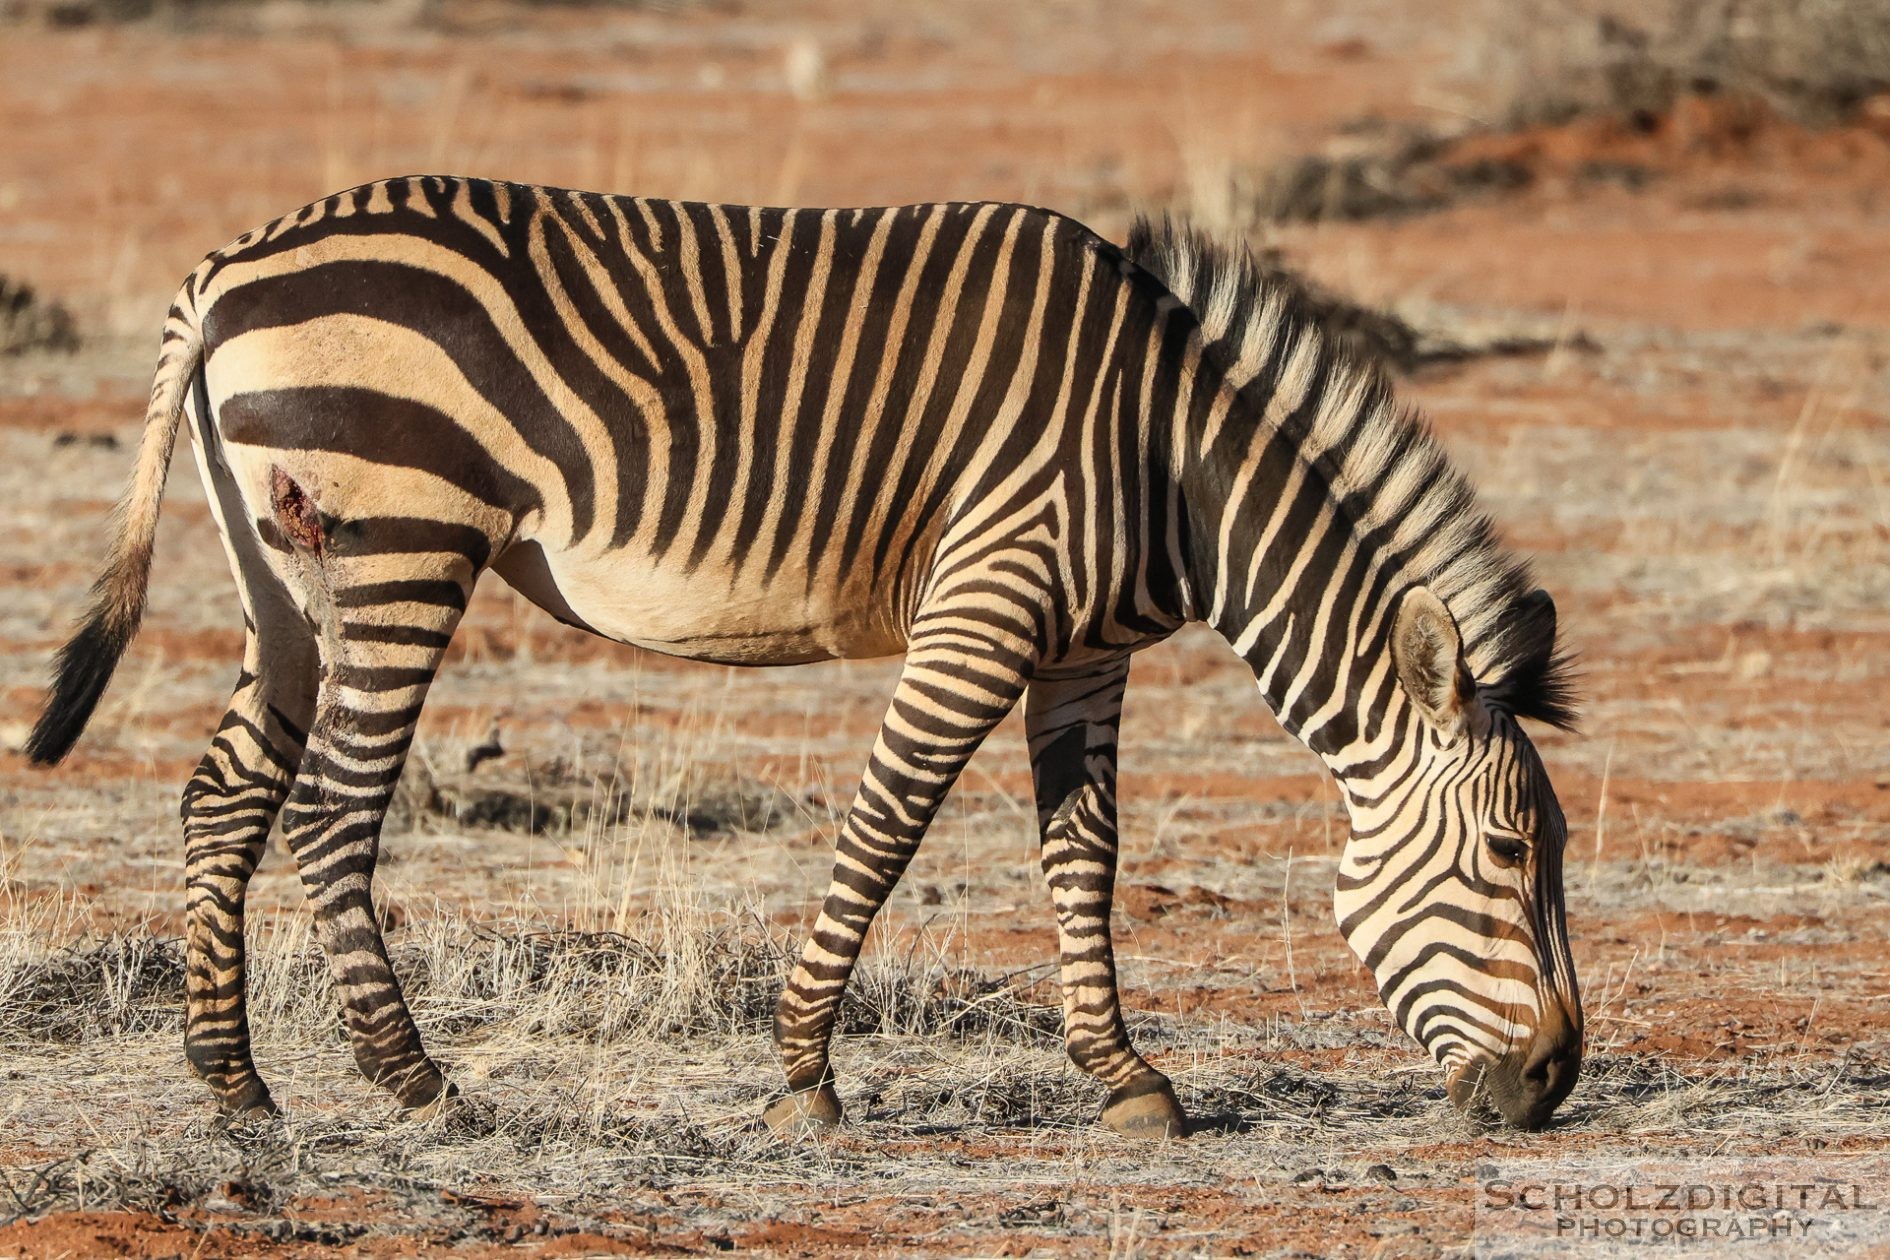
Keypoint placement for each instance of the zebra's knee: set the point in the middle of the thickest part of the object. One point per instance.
(224, 822)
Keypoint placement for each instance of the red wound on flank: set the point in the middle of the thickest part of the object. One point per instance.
(295, 512)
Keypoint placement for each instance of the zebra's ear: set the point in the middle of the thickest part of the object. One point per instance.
(1537, 683)
(1535, 629)
(1427, 651)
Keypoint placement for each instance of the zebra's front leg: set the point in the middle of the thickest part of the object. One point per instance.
(1073, 720)
(962, 674)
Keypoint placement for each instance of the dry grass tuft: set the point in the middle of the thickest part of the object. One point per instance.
(1642, 1094)
(686, 972)
(31, 322)
(1815, 61)
(114, 987)
(1376, 174)
(1371, 172)
(1549, 62)
(1284, 1093)
(564, 797)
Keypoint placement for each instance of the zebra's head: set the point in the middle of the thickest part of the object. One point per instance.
(1450, 887)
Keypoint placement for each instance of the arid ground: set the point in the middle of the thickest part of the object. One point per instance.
(1672, 385)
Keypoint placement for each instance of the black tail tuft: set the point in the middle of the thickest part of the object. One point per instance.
(86, 663)
(85, 667)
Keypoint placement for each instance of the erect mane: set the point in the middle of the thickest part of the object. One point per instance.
(1380, 459)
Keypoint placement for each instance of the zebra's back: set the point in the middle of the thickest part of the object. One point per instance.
(736, 433)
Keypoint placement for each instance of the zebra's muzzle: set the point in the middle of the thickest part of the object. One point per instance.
(1526, 1085)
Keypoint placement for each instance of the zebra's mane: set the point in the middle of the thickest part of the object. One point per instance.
(1382, 463)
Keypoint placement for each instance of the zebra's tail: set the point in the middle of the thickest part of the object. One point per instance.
(88, 659)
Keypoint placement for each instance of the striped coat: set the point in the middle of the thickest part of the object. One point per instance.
(975, 434)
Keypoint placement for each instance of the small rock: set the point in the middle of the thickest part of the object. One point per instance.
(104, 441)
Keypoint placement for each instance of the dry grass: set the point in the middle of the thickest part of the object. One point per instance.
(576, 797)
(1552, 61)
(606, 1065)
(689, 972)
(31, 322)
(248, 14)
(1812, 60)
(1377, 173)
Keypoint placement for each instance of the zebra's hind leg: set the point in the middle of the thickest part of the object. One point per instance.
(386, 596)
(229, 805)
(964, 671)
(1072, 722)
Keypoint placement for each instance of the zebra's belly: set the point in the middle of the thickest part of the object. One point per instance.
(701, 614)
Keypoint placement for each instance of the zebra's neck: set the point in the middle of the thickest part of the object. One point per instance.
(1294, 470)
(1283, 564)
(1311, 501)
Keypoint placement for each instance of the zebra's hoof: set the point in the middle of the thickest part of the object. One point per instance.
(247, 1122)
(456, 1115)
(447, 1105)
(249, 1105)
(1153, 1115)
(805, 1112)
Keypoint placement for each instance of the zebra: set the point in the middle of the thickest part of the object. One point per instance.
(977, 434)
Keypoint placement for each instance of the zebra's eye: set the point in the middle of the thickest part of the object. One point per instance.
(1508, 850)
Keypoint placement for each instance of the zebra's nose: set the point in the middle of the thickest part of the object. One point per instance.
(1529, 1083)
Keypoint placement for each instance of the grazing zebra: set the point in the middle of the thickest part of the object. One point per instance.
(974, 433)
